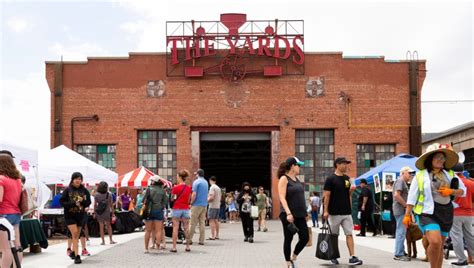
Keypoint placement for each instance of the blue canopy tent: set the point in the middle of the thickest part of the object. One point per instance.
(392, 166)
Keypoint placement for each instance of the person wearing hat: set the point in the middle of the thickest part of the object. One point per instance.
(462, 232)
(400, 195)
(366, 208)
(198, 206)
(430, 195)
(293, 208)
(338, 207)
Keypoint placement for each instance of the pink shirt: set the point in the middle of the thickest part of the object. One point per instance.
(11, 195)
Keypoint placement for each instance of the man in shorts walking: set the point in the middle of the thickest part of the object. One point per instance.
(214, 199)
(337, 205)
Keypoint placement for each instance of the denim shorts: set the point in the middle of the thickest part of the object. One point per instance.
(181, 214)
(155, 215)
(14, 219)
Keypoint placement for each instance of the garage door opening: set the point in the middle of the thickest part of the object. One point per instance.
(237, 157)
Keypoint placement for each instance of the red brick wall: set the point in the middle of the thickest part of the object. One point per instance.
(115, 89)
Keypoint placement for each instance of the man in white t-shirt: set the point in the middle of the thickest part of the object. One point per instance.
(214, 199)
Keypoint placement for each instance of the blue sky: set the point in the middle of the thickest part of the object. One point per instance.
(36, 31)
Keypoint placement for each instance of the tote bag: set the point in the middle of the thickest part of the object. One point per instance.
(327, 247)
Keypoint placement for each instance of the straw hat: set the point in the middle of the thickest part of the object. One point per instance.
(451, 156)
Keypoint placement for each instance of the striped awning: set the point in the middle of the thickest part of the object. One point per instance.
(139, 177)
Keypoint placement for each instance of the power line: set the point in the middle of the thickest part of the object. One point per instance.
(448, 101)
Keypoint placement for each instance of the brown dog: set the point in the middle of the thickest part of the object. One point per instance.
(413, 234)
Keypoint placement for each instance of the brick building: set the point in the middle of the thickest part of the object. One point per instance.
(127, 112)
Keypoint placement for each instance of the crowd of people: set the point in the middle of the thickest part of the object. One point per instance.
(437, 199)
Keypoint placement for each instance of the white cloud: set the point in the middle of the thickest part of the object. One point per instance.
(76, 52)
(17, 24)
(25, 110)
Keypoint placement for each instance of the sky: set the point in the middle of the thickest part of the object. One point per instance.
(33, 32)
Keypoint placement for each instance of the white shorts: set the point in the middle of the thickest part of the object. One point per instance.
(341, 220)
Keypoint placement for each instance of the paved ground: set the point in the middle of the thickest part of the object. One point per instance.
(230, 251)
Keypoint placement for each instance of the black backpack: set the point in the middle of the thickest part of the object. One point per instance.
(102, 205)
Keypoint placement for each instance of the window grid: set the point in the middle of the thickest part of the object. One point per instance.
(316, 149)
(102, 154)
(369, 156)
(157, 152)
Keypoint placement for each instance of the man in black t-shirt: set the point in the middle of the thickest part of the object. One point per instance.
(337, 205)
(366, 207)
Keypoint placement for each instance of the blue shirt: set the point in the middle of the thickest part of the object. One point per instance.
(201, 188)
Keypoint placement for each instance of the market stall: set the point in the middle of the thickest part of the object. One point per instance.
(380, 179)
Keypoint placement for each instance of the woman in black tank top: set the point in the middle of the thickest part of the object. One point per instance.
(293, 208)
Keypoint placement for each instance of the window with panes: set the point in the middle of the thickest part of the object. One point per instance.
(103, 155)
(316, 149)
(157, 152)
(371, 155)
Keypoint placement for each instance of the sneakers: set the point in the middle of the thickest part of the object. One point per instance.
(355, 261)
(363, 235)
(246, 239)
(335, 261)
(68, 252)
(265, 229)
(72, 255)
(458, 263)
(250, 239)
(77, 260)
(85, 252)
(401, 258)
(258, 230)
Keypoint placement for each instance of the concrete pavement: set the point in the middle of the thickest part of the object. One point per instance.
(229, 251)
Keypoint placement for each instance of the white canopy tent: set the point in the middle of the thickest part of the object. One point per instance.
(26, 160)
(57, 166)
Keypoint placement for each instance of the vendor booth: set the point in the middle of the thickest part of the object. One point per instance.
(380, 179)
(26, 160)
(139, 177)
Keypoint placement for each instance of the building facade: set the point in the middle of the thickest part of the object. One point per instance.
(127, 112)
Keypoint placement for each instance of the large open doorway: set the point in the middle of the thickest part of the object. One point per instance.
(237, 157)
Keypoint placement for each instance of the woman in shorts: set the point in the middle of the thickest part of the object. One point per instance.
(180, 195)
(75, 199)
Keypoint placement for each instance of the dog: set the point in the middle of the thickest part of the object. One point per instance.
(413, 234)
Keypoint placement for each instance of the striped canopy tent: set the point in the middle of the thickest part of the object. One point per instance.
(139, 177)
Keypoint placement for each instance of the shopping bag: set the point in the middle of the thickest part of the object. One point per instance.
(310, 240)
(254, 212)
(327, 247)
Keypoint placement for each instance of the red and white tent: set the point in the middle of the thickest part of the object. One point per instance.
(139, 178)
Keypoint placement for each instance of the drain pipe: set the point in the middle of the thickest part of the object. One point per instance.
(81, 118)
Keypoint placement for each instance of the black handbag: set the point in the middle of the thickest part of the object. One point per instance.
(327, 247)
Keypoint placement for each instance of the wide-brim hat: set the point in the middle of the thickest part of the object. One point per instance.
(451, 156)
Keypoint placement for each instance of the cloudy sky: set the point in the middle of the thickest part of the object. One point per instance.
(35, 31)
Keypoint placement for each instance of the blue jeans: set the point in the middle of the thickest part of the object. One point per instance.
(314, 217)
(400, 235)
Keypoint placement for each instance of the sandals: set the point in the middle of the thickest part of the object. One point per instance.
(112, 243)
(188, 250)
(210, 238)
(173, 250)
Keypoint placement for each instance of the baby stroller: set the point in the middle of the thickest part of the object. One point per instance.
(7, 227)
(168, 223)
(448, 245)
